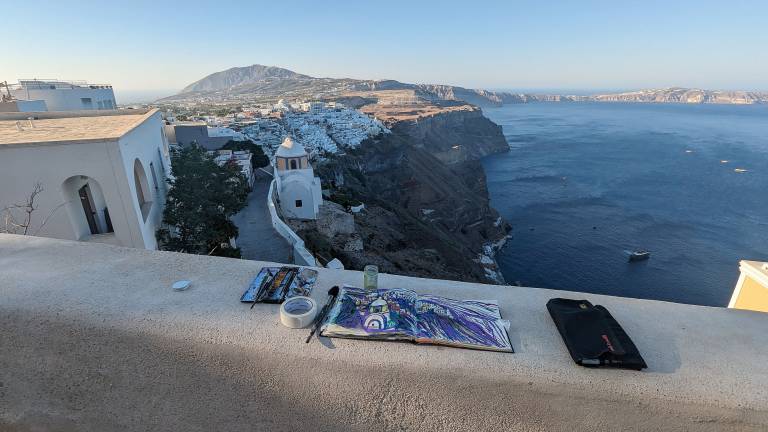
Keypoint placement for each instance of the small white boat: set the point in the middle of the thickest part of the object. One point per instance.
(740, 170)
(638, 255)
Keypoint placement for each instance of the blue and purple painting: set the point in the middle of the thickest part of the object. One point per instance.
(401, 314)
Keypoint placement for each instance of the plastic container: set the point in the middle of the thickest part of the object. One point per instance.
(370, 277)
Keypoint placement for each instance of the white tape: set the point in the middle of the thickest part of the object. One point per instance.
(298, 312)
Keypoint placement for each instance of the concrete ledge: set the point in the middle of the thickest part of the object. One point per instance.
(93, 338)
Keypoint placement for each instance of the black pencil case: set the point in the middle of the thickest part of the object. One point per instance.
(593, 337)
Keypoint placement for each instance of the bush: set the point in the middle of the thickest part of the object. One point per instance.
(200, 201)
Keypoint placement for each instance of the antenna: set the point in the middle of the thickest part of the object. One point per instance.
(6, 97)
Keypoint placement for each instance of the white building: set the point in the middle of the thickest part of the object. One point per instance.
(298, 189)
(283, 106)
(102, 174)
(210, 138)
(66, 95)
(240, 157)
(23, 106)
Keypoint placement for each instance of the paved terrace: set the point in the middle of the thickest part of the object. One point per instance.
(93, 338)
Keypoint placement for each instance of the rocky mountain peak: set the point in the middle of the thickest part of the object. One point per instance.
(238, 76)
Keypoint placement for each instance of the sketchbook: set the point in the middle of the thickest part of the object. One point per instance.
(401, 314)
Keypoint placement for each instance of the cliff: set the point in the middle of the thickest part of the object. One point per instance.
(682, 95)
(427, 209)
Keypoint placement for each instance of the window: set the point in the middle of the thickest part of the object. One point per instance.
(87, 102)
(142, 188)
(298, 203)
(293, 164)
(154, 177)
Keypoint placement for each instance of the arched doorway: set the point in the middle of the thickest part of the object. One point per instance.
(86, 206)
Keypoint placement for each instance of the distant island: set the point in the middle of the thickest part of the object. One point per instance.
(258, 83)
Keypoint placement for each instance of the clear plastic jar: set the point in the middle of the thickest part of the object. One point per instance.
(370, 277)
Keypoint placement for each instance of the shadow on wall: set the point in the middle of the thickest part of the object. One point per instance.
(74, 376)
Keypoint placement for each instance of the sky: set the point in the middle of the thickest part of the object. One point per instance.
(158, 47)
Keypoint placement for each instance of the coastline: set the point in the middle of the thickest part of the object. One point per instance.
(427, 210)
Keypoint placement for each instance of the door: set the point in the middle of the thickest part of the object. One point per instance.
(90, 213)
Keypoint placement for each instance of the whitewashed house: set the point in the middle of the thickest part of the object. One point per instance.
(102, 173)
(65, 95)
(240, 157)
(298, 189)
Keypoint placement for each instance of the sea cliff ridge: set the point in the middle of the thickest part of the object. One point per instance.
(270, 83)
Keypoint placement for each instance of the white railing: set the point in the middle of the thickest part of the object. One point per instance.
(301, 255)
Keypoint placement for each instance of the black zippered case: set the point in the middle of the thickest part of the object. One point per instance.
(593, 337)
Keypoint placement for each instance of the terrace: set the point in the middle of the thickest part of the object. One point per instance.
(94, 338)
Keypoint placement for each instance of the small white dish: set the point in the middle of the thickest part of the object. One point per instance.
(181, 285)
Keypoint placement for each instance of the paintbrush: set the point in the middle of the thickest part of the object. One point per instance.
(332, 293)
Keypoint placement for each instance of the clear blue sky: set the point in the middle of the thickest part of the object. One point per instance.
(164, 45)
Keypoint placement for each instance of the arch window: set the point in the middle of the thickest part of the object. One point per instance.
(154, 176)
(142, 188)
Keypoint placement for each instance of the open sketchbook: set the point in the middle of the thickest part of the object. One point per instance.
(401, 314)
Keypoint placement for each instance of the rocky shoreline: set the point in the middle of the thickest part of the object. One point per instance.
(427, 209)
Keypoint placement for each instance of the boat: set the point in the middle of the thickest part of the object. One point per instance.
(638, 255)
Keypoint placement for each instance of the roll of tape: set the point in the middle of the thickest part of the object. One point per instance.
(298, 312)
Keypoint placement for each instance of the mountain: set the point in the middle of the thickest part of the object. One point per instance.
(264, 84)
(238, 76)
(258, 83)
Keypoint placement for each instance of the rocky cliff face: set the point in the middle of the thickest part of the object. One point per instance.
(458, 136)
(427, 207)
(683, 95)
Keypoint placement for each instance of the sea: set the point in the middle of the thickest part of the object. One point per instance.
(585, 182)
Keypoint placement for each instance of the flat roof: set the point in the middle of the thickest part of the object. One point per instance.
(75, 126)
(189, 123)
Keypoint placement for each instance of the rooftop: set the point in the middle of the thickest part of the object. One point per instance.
(189, 123)
(61, 127)
(47, 84)
(94, 338)
(291, 148)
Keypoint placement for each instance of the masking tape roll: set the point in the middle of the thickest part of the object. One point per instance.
(298, 312)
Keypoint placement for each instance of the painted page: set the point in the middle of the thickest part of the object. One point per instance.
(377, 314)
(461, 323)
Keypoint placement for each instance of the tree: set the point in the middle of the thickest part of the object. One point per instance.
(18, 218)
(258, 158)
(200, 201)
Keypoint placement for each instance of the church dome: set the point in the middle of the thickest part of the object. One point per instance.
(290, 148)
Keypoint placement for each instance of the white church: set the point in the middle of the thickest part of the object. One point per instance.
(298, 189)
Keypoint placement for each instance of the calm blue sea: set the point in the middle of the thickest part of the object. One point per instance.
(585, 181)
